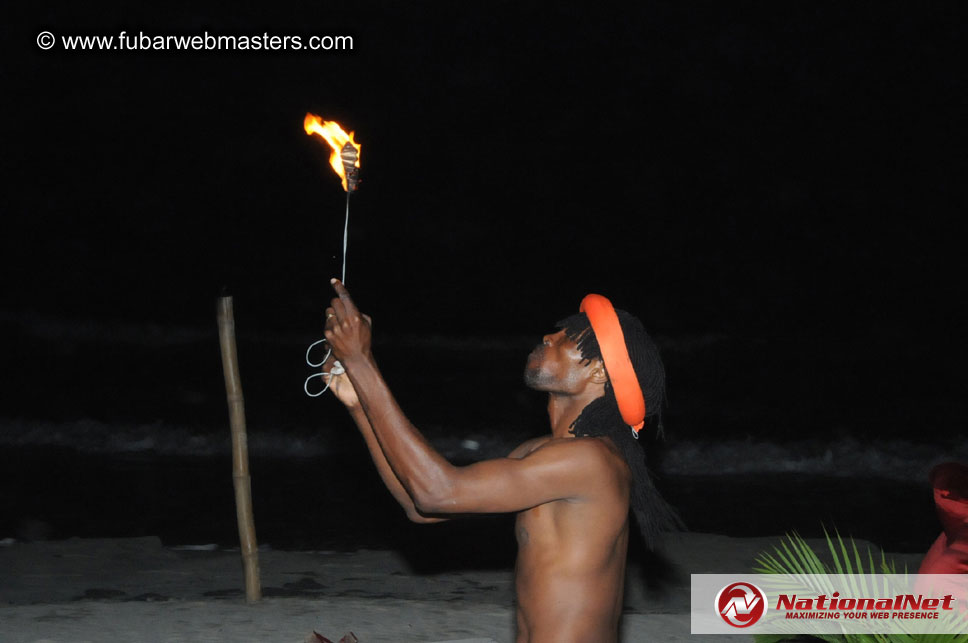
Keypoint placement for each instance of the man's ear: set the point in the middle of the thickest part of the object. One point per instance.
(599, 376)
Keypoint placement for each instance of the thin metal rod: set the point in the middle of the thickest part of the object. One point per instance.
(346, 234)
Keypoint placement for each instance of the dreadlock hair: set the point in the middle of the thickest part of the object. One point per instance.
(601, 417)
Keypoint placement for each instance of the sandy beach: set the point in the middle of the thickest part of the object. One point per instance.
(135, 589)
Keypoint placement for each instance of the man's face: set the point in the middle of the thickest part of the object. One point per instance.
(556, 366)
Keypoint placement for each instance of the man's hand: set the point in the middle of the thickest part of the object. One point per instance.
(347, 330)
(341, 386)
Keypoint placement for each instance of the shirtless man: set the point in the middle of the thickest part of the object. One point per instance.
(571, 494)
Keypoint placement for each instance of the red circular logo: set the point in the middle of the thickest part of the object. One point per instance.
(741, 604)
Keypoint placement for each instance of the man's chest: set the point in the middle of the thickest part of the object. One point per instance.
(539, 525)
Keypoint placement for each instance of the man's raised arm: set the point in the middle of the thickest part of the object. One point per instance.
(559, 469)
(344, 392)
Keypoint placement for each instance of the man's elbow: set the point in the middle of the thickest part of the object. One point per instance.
(415, 516)
(440, 501)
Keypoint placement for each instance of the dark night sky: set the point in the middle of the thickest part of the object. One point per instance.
(760, 168)
(775, 188)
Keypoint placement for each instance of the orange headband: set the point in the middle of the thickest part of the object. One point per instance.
(615, 356)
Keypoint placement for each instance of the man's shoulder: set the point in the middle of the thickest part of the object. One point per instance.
(591, 460)
(584, 448)
(528, 446)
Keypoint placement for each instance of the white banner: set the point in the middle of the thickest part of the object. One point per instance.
(829, 603)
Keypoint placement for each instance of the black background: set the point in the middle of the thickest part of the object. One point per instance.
(775, 172)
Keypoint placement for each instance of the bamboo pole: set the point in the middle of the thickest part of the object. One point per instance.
(240, 451)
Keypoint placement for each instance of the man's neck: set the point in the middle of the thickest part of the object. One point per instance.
(563, 410)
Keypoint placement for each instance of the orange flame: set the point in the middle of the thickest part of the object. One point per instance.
(337, 138)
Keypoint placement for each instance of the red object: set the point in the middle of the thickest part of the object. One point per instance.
(949, 553)
(615, 355)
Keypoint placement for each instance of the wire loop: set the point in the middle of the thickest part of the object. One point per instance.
(336, 369)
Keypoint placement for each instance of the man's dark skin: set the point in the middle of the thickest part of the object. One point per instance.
(570, 494)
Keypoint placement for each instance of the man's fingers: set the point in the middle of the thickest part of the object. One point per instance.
(344, 296)
(339, 309)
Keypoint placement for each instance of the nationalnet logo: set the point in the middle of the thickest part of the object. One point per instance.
(899, 606)
(829, 604)
(741, 604)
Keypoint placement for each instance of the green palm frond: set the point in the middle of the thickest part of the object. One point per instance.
(795, 557)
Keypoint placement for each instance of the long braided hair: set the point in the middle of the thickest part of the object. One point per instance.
(601, 417)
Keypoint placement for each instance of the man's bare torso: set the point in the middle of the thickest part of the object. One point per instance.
(571, 494)
(570, 570)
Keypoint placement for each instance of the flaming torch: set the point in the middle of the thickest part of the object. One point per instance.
(344, 159)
